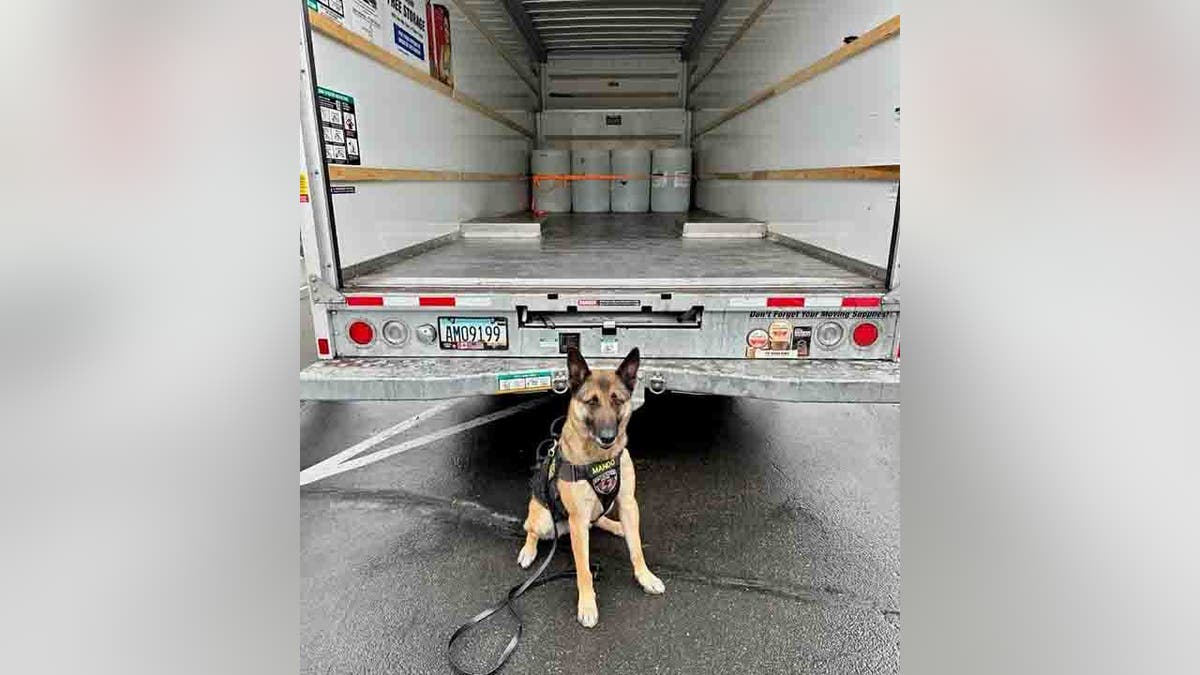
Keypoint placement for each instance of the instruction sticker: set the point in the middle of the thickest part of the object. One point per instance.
(364, 18)
(303, 188)
(609, 345)
(526, 381)
(339, 126)
(330, 8)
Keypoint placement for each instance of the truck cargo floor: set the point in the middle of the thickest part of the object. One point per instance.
(618, 251)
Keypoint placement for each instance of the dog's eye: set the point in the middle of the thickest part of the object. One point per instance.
(593, 401)
(617, 400)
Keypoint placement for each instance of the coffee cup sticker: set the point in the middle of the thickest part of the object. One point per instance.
(757, 338)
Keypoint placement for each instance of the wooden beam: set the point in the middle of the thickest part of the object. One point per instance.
(466, 11)
(349, 173)
(758, 11)
(879, 172)
(338, 33)
(876, 35)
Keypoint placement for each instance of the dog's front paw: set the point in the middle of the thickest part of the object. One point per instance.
(526, 556)
(650, 583)
(588, 614)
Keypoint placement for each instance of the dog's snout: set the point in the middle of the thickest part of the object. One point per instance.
(607, 436)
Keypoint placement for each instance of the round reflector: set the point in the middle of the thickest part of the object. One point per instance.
(361, 332)
(830, 334)
(395, 332)
(865, 334)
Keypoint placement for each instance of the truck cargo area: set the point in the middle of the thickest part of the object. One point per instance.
(614, 251)
(487, 186)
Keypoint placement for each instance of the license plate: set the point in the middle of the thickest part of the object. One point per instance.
(457, 332)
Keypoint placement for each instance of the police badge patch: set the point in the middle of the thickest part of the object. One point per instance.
(606, 482)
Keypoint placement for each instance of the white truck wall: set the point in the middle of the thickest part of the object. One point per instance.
(591, 129)
(843, 117)
(586, 93)
(625, 81)
(403, 125)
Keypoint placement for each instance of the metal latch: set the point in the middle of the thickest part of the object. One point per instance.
(559, 382)
(656, 384)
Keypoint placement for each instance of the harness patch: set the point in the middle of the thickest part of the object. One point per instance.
(603, 476)
(606, 483)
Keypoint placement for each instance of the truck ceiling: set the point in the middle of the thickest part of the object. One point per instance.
(606, 25)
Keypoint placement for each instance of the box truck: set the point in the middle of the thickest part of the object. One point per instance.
(714, 183)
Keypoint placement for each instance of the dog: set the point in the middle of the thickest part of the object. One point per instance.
(592, 449)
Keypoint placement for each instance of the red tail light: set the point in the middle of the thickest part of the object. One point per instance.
(865, 334)
(361, 332)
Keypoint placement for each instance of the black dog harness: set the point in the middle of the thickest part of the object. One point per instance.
(604, 477)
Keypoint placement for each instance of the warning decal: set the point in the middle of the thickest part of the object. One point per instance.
(339, 126)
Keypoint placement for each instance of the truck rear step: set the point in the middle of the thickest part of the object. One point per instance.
(421, 378)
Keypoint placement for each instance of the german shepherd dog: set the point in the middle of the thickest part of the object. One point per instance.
(594, 431)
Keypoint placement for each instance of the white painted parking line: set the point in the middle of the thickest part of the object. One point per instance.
(345, 460)
(349, 453)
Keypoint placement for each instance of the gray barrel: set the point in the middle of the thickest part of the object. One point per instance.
(590, 196)
(551, 195)
(671, 184)
(631, 195)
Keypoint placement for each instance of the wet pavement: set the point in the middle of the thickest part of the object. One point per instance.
(774, 525)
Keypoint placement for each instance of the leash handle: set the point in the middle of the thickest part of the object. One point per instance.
(515, 592)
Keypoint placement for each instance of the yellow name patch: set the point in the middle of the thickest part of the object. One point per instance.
(602, 466)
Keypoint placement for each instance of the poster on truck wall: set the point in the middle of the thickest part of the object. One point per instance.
(437, 22)
(339, 127)
(360, 16)
(408, 30)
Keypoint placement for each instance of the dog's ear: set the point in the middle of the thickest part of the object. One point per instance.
(628, 369)
(577, 368)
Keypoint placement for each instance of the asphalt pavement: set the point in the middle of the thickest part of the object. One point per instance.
(775, 527)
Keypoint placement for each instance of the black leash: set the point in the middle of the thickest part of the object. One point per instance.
(517, 591)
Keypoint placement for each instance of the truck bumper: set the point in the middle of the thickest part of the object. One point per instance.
(780, 380)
